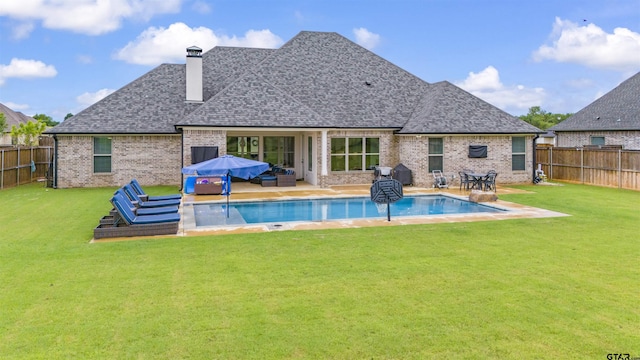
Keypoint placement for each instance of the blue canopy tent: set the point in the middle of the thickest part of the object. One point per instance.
(226, 166)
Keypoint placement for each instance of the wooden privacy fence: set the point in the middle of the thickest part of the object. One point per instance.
(603, 167)
(23, 165)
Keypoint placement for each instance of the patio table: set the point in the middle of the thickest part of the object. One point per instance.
(477, 180)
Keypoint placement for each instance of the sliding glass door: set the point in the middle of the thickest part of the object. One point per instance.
(279, 150)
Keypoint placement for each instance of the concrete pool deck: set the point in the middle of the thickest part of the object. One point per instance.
(247, 191)
(302, 190)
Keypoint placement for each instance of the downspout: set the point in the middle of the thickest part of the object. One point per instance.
(533, 175)
(55, 161)
(181, 158)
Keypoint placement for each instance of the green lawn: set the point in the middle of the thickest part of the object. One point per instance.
(552, 288)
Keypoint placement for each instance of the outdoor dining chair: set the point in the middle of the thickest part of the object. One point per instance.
(464, 180)
(489, 182)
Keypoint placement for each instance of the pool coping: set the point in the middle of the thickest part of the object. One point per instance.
(512, 211)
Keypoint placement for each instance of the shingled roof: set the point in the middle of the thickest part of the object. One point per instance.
(14, 117)
(617, 110)
(315, 80)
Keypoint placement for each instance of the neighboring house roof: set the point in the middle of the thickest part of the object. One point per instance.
(617, 110)
(315, 80)
(14, 117)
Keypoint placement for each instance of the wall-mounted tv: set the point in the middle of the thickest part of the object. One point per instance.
(477, 151)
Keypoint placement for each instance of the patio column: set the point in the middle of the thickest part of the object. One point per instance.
(325, 171)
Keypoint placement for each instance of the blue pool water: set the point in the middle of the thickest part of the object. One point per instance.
(330, 209)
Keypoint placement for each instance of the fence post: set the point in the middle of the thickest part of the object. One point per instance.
(551, 163)
(619, 168)
(18, 168)
(2, 172)
(31, 160)
(582, 165)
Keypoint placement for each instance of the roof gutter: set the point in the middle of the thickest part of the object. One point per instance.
(533, 175)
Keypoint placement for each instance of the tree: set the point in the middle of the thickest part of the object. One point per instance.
(27, 133)
(68, 116)
(3, 124)
(47, 120)
(543, 119)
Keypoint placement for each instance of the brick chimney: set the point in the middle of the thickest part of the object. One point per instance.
(194, 74)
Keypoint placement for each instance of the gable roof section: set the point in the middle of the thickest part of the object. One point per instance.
(617, 110)
(324, 76)
(148, 105)
(252, 102)
(223, 65)
(447, 109)
(345, 83)
(14, 117)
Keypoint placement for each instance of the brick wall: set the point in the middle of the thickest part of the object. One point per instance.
(630, 140)
(414, 154)
(156, 160)
(153, 160)
(203, 138)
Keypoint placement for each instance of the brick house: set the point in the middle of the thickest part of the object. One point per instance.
(612, 119)
(320, 105)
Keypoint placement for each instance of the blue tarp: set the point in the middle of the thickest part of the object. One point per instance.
(228, 165)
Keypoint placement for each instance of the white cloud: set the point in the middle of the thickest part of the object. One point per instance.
(88, 99)
(366, 39)
(22, 30)
(84, 59)
(487, 86)
(157, 44)
(24, 69)
(592, 47)
(16, 107)
(201, 7)
(92, 17)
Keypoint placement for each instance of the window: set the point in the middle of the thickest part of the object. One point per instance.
(101, 155)
(279, 150)
(354, 154)
(243, 146)
(518, 153)
(597, 140)
(436, 154)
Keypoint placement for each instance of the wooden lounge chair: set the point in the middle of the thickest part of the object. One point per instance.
(147, 211)
(129, 224)
(135, 185)
(147, 204)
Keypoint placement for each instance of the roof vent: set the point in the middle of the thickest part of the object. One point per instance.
(368, 83)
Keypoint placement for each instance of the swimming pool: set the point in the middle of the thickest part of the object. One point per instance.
(330, 209)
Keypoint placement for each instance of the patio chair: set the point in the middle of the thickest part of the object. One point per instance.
(135, 185)
(382, 172)
(464, 180)
(286, 178)
(146, 211)
(440, 181)
(489, 182)
(129, 217)
(148, 204)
